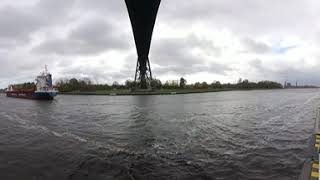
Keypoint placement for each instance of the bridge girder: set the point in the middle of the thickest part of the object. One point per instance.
(143, 14)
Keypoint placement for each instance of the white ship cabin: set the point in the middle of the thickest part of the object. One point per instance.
(44, 82)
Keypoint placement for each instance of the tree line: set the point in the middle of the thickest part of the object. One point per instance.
(27, 85)
(86, 85)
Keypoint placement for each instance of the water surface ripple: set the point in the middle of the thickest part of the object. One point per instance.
(226, 135)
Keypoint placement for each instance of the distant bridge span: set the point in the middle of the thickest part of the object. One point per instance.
(143, 15)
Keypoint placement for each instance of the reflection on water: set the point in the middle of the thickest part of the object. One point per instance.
(227, 135)
(141, 134)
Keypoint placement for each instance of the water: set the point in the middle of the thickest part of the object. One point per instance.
(226, 135)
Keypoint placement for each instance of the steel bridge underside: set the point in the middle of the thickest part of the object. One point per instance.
(143, 15)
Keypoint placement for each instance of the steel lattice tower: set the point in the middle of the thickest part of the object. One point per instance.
(143, 15)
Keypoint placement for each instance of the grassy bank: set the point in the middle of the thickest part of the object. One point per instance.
(126, 92)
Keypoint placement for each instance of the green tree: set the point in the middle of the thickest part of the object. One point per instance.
(156, 84)
(129, 84)
(216, 85)
(183, 82)
(74, 84)
(115, 85)
(197, 85)
(204, 85)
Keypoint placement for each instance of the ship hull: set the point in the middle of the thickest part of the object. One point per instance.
(32, 95)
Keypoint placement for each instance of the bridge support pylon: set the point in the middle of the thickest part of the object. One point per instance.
(143, 14)
(143, 75)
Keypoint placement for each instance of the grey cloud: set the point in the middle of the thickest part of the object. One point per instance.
(112, 7)
(264, 72)
(178, 51)
(257, 47)
(18, 23)
(14, 71)
(96, 74)
(178, 65)
(104, 25)
(248, 16)
(256, 63)
(175, 56)
(56, 9)
(14, 66)
(260, 71)
(212, 68)
(92, 37)
(304, 76)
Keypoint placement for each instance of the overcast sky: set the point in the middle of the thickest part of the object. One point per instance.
(201, 40)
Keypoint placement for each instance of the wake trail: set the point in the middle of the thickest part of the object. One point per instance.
(33, 126)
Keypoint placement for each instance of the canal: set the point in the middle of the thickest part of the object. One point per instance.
(225, 135)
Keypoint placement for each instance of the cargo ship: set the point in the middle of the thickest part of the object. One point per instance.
(42, 89)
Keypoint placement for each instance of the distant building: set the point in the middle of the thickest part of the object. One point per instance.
(287, 85)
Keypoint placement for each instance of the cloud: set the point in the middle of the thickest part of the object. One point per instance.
(91, 37)
(16, 25)
(247, 16)
(253, 46)
(183, 51)
(212, 68)
(198, 39)
(188, 55)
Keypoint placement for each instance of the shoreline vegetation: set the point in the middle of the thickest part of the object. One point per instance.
(86, 87)
(127, 92)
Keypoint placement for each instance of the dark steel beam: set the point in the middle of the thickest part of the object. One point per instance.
(143, 15)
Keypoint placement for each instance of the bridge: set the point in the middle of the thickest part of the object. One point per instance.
(143, 15)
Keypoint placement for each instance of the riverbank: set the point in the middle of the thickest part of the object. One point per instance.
(126, 92)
